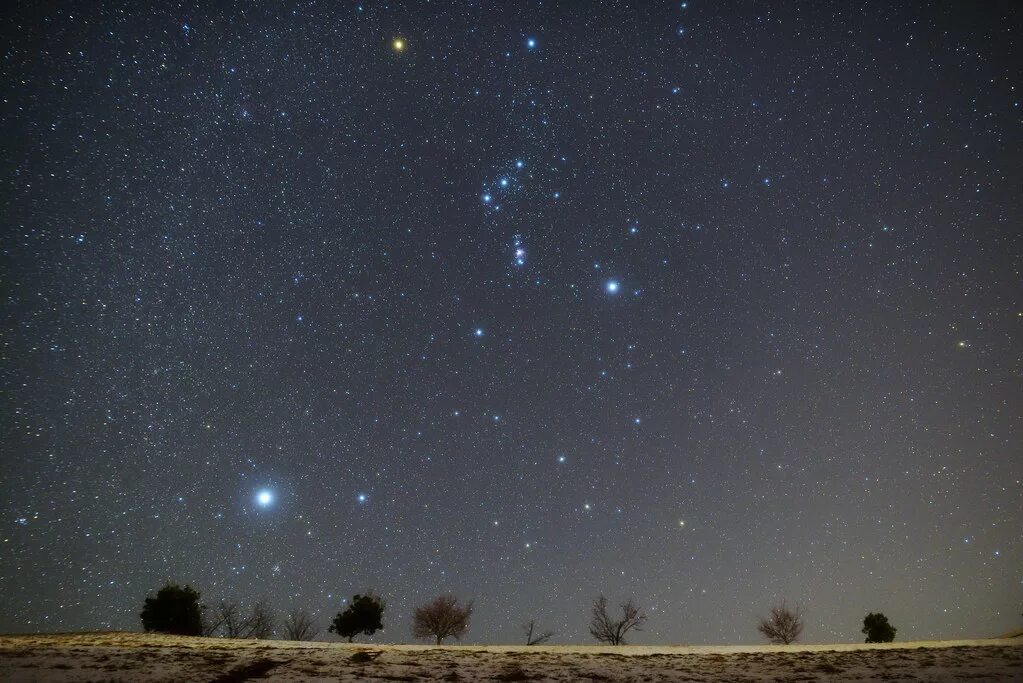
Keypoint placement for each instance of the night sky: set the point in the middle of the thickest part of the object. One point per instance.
(710, 304)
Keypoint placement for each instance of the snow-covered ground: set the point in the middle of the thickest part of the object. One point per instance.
(145, 657)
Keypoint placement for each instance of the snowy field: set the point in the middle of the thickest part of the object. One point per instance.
(142, 657)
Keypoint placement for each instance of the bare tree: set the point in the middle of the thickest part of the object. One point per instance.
(534, 637)
(612, 631)
(211, 623)
(442, 618)
(260, 622)
(299, 625)
(783, 626)
(224, 620)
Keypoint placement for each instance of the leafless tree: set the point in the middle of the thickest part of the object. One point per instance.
(612, 631)
(224, 620)
(211, 622)
(442, 618)
(534, 637)
(260, 622)
(299, 625)
(783, 626)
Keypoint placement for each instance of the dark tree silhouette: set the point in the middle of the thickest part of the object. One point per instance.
(225, 620)
(364, 614)
(229, 620)
(260, 622)
(783, 626)
(612, 631)
(174, 610)
(534, 637)
(877, 629)
(442, 618)
(299, 625)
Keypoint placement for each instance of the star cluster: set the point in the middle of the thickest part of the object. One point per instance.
(710, 304)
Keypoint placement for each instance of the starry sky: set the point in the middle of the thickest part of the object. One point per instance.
(706, 303)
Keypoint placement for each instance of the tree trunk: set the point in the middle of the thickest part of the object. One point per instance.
(439, 640)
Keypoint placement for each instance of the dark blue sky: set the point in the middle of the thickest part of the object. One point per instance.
(257, 248)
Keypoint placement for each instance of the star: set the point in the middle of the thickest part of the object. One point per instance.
(612, 286)
(531, 43)
(362, 497)
(478, 332)
(264, 497)
(398, 44)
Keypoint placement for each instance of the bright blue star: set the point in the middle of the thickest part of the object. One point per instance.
(519, 164)
(531, 43)
(612, 286)
(504, 182)
(478, 332)
(265, 498)
(363, 497)
(486, 198)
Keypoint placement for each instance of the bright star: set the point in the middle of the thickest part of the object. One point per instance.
(486, 198)
(504, 182)
(531, 43)
(478, 332)
(265, 497)
(398, 44)
(612, 286)
(519, 164)
(363, 497)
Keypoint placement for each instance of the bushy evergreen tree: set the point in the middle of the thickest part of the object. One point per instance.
(877, 628)
(364, 614)
(174, 610)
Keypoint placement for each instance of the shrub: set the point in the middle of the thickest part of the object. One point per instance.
(174, 610)
(877, 628)
(364, 614)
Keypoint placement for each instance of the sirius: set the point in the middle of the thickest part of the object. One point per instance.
(265, 498)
